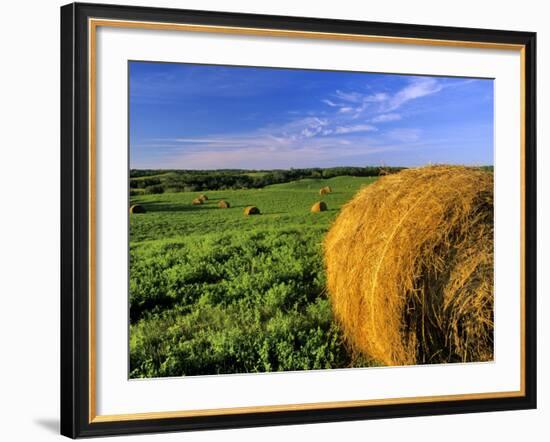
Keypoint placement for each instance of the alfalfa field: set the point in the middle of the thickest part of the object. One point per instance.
(213, 291)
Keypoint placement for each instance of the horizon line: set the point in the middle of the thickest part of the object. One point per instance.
(309, 168)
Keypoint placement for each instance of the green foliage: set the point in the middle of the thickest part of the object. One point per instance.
(154, 190)
(137, 192)
(213, 291)
(199, 180)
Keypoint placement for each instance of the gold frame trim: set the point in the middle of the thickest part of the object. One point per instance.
(93, 24)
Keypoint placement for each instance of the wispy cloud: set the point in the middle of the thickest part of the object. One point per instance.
(242, 118)
(317, 152)
(377, 98)
(377, 104)
(386, 118)
(352, 114)
(351, 97)
(355, 128)
(418, 88)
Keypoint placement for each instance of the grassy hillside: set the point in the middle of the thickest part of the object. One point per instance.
(152, 182)
(213, 291)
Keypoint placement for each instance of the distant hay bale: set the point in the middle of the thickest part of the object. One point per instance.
(251, 210)
(320, 206)
(197, 202)
(222, 204)
(325, 190)
(203, 198)
(136, 208)
(409, 265)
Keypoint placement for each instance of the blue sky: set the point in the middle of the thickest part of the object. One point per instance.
(187, 116)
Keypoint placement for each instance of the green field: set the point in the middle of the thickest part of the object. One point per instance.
(213, 291)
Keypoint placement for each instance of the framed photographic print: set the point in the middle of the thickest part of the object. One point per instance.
(274, 220)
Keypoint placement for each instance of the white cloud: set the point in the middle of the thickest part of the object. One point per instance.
(381, 103)
(352, 97)
(356, 128)
(385, 118)
(315, 152)
(309, 132)
(377, 98)
(349, 118)
(417, 88)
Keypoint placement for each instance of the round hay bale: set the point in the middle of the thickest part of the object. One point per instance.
(409, 265)
(203, 198)
(136, 208)
(325, 190)
(320, 206)
(197, 202)
(251, 210)
(222, 204)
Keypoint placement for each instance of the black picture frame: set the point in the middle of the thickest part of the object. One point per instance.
(75, 221)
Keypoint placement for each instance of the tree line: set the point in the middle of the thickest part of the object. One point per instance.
(159, 181)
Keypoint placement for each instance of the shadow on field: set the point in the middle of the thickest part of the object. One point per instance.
(242, 206)
(163, 206)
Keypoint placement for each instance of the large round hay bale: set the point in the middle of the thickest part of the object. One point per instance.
(197, 202)
(409, 265)
(137, 208)
(325, 190)
(320, 206)
(222, 204)
(203, 198)
(251, 210)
